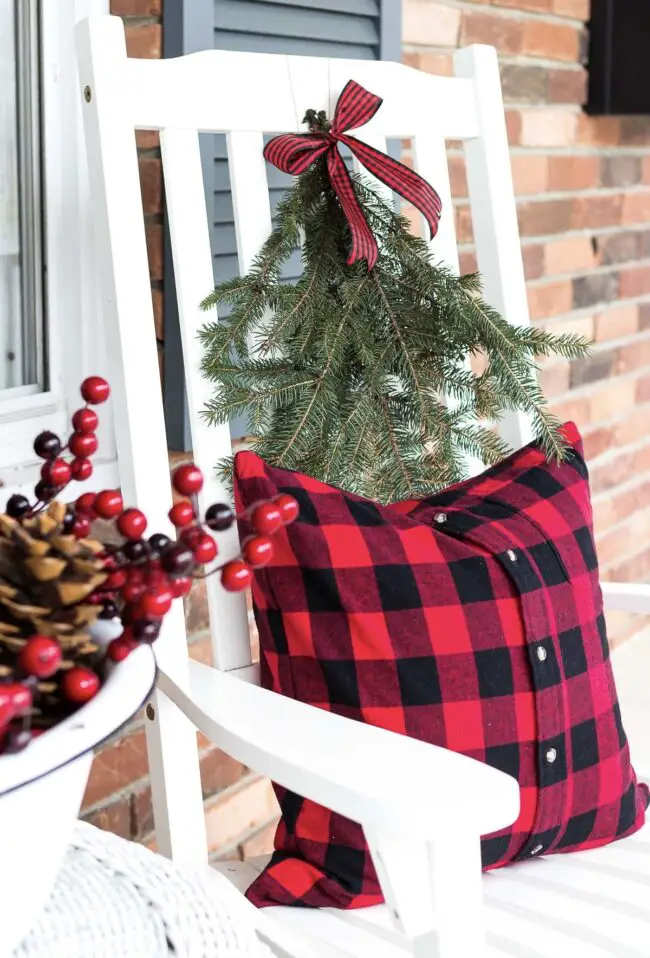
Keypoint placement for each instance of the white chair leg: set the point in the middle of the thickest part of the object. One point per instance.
(434, 891)
(175, 782)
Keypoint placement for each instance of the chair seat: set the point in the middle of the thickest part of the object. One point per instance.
(592, 904)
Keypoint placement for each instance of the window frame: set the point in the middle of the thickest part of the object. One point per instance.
(74, 336)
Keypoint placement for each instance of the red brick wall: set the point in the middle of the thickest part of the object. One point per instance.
(583, 188)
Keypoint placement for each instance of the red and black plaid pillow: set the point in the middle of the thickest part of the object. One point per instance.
(472, 619)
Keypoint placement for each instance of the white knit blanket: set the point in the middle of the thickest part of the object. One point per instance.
(116, 899)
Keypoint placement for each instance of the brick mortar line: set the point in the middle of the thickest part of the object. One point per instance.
(510, 59)
(582, 311)
(622, 522)
(599, 385)
(588, 271)
(508, 13)
(588, 232)
(624, 487)
(593, 193)
(138, 784)
(220, 856)
(606, 567)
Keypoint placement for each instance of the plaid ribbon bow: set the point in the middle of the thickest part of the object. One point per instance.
(294, 152)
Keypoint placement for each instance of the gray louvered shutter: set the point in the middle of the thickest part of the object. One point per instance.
(356, 29)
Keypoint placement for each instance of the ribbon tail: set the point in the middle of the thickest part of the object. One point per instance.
(364, 244)
(400, 178)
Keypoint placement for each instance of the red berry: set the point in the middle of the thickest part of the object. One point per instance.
(258, 551)
(132, 592)
(86, 504)
(180, 587)
(181, 514)
(40, 656)
(115, 581)
(188, 480)
(289, 508)
(108, 504)
(205, 550)
(83, 444)
(120, 648)
(85, 420)
(81, 527)
(191, 537)
(236, 576)
(178, 560)
(80, 685)
(81, 469)
(56, 472)
(95, 390)
(6, 713)
(19, 695)
(156, 603)
(132, 524)
(266, 518)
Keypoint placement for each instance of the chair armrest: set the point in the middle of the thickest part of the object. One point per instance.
(381, 779)
(626, 597)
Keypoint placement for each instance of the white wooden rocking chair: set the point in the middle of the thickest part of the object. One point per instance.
(423, 809)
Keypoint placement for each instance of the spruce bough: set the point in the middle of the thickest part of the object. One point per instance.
(356, 377)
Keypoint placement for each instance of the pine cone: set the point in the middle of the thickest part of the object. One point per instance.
(45, 577)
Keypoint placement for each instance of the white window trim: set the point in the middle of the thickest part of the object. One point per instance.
(75, 332)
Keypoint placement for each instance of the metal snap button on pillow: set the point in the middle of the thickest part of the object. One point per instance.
(541, 653)
(512, 555)
(551, 755)
(440, 518)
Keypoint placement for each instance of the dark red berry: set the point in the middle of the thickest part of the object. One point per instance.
(47, 445)
(157, 602)
(83, 444)
(85, 420)
(219, 517)
(80, 685)
(109, 609)
(120, 648)
(16, 740)
(86, 504)
(17, 506)
(81, 527)
(95, 390)
(178, 560)
(157, 544)
(258, 551)
(205, 549)
(145, 630)
(44, 491)
(266, 518)
(181, 514)
(191, 536)
(56, 472)
(132, 524)
(68, 522)
(81, 469)
(236, 576)
(135, 550)
(114, 581)
(41, 656)
(108, 504)
(187, 480)
(180, 586)
(289, 508)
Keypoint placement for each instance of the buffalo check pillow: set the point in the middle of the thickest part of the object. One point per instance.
(472, 619)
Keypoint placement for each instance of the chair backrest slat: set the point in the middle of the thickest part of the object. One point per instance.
(247, 96)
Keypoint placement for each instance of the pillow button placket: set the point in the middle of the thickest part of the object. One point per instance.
(527, 580)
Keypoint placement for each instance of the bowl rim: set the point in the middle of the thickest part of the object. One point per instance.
(124, 692)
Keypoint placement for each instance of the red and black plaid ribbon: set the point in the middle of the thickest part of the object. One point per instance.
(294, 152)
